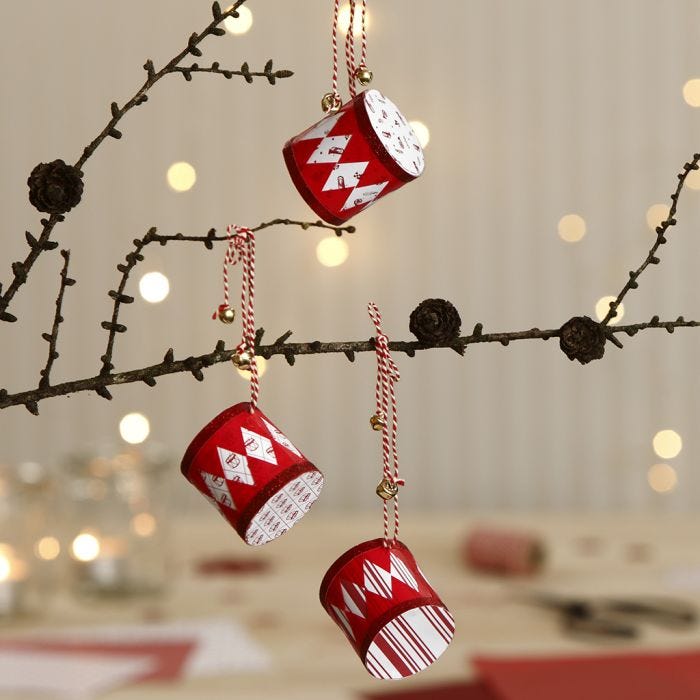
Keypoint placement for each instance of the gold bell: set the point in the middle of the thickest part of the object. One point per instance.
(330, 102)
(241, 360)
(377, 423)
(363, 75)
(227, 314)
(387, 489)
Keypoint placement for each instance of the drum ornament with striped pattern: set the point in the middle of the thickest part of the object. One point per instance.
(380, 598)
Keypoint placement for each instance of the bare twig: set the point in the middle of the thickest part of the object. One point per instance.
(52, 338)
(244, 72)
(135, 256)
(196, 364)
(21, 269)
(652, 258)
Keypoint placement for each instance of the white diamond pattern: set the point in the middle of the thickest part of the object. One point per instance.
(281, 438)
(345, 175)
(235, 466)
(219, 489)
(258, 446)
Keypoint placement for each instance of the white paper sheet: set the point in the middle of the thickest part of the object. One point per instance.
(222, 646)
(67, 675)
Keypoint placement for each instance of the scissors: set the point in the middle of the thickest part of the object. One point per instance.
(617, 617)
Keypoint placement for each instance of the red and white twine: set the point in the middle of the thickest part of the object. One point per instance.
(385, 395)
(350, 64)
(241, 248)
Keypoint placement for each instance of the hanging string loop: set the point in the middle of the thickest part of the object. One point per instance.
(241, 250)
(386, 419)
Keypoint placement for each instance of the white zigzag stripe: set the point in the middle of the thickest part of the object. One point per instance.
(351, 605)
(340, 616)
(377, 580)
(400, 571)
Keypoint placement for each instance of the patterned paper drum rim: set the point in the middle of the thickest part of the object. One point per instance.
(262, 503)
(383, 147)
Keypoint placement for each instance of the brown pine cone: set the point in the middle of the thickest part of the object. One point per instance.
(435, 322)
(55, 187)
(583, 339)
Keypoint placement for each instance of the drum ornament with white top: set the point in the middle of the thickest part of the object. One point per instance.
(380, 598)
(252, 473)
(354, 156)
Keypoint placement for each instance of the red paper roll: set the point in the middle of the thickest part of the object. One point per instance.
(382, 601)
(504, 552)
(353, 157)
(251, 472)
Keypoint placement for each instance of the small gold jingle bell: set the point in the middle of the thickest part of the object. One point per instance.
(227, 314)
(377, 423)
(241, 360)
(330, 102)
(364, 75)
(387, 489)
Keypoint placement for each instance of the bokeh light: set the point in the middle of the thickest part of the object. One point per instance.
(181, 176)
(134, 428)
(261, 362)
(47, 548)
(603, 306)
(667, 444)
(662, 478)
(571, 228)
(691, 92)
(332, 251)
(242, 23)
(154, 287)
(344, 20)
(143, 524)
(421, 131)
(85, 547)
(656, 214)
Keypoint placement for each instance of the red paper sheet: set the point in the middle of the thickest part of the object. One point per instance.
(167, 658)
(453, 691)
(611, 677)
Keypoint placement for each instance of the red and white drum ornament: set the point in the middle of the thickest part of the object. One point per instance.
(252, 473)
(242, 463)
(361, 150)
(351, 158)
(376, 592)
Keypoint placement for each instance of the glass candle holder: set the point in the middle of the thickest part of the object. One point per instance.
(118, 524)
(29, 547)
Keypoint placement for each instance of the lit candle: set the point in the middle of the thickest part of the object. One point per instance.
(13, 577)
(103, 562)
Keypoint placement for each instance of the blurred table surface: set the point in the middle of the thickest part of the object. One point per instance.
(588, 555)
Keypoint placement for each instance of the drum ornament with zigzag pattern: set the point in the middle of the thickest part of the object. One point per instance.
(252, 473)
(380, 598)
(354, 156)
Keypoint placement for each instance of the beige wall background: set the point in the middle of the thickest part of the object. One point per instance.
(536, 109)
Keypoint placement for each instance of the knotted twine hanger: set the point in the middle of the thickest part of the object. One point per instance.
(332, 101)
(386, 419)
(241, 248)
